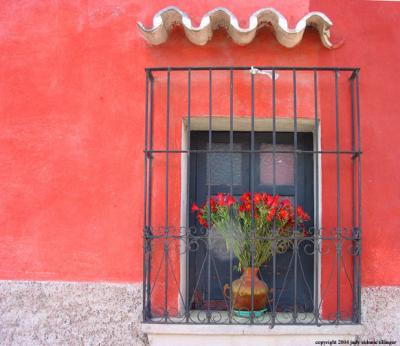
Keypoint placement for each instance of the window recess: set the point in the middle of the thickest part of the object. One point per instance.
(287, 131)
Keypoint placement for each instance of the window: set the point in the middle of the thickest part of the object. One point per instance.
(219, 166)
(310, 156)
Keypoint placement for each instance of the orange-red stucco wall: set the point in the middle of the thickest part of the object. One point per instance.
(72, 98)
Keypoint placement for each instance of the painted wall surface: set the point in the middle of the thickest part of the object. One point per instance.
(72, 126)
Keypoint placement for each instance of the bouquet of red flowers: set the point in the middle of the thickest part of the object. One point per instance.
(260, 220)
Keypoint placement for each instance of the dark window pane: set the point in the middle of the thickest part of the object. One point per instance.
(220, 165)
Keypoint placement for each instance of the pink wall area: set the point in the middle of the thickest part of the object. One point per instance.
(72, 103)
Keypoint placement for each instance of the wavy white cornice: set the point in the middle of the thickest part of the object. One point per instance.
(165, 19)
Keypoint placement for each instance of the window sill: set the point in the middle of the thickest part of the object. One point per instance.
(185, 334)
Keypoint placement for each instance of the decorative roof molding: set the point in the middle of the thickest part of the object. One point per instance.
(165, 19)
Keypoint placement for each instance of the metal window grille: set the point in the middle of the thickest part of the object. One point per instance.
(182, 95)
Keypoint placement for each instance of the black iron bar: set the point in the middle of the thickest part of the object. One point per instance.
(253, 227)
(144, 315)
(209, 197)
(149, 152)
(353, 202)
(227, 68)
(167, 152)
(359, 253)
(274, 244)
(149, 74)
(149, 193)
(311, 152)
(339, 230)
(354, 73)
(187, 230)
(281, 323)
(295, 248)
(231, 182)
(166, 244)
(316, 217)
(146, 135)
(171, 237)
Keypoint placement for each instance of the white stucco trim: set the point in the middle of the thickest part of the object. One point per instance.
(183, 218)
(241, 123)
(165, 19)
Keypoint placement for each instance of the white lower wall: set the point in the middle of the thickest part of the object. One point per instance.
(381, 313)
(64, 313)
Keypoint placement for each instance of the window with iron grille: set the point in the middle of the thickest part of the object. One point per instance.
(291, 133)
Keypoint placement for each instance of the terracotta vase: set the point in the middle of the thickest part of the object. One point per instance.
(240, 293)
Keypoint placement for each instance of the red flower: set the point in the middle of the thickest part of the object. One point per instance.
(245, 207)
(272, 212)
(230, 200)
(201, 220)
(283, 215)
(245, 197)
(268, 206)
(271, 201)
(302, 214)
(220, 199)
(195, 207)
(213, 205)
(264, 197)
(257, 198)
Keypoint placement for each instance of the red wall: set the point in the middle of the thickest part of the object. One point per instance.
(72, 126)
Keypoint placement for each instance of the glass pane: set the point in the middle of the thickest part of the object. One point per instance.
(283, 162)
(220, 165)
